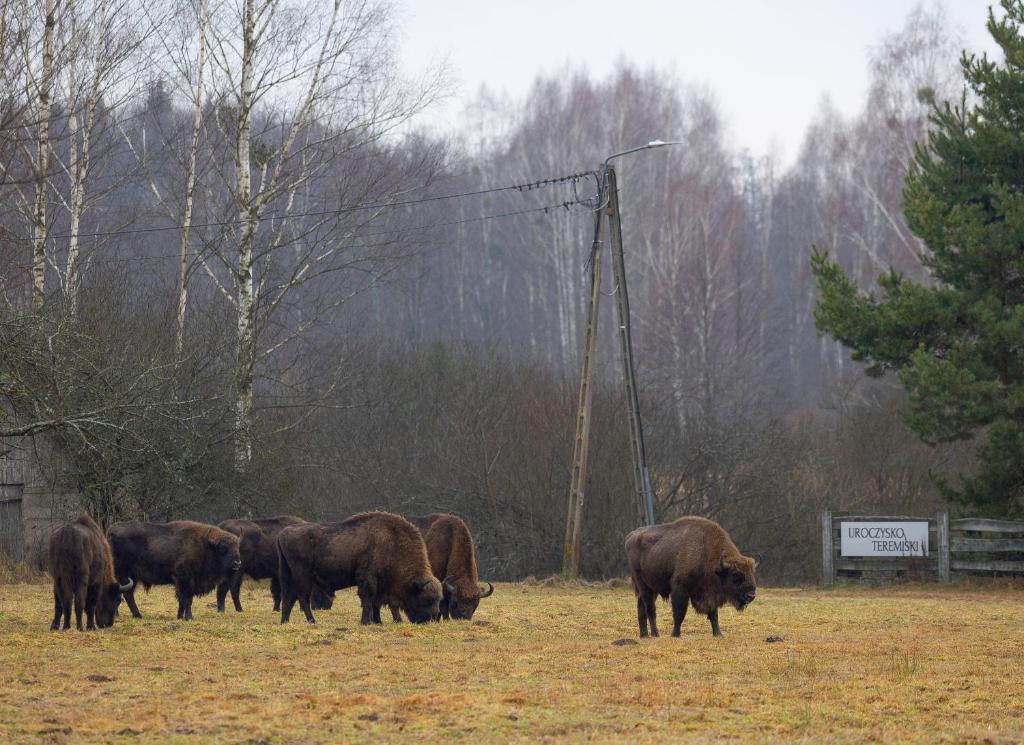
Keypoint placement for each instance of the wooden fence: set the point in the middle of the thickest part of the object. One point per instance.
(966, 546)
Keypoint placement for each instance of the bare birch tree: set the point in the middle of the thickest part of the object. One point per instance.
(98, 80)
(38, 35)
(303, 91)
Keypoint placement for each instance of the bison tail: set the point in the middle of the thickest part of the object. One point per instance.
(284, 572)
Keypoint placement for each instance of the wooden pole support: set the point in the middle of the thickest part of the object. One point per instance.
(828, 573)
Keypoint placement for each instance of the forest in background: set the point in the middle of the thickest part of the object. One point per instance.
(233, 282)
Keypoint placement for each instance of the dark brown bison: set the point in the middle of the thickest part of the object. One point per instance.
(194, 557)
(453, 561)
(83, 571)
(382, 554)
(258, 550)
(691, 560)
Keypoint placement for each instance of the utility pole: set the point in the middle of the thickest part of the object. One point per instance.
(641, 476)
(577, 488)
(608, 204)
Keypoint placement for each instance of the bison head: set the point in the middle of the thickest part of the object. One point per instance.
(462, 605)
(226, 549)
(421, 600)
(109, 601)
(736, 574)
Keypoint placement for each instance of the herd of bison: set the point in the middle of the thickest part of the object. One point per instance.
(422, 566)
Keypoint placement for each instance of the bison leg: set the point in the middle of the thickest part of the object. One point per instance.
(236, 590)
(67, 611)
(129, 598)
(368, 600)
(645, 603)
(91, 599)
(79, 605)
(222, 593)
(275, 592)
(307, 610)
(641, 615)
(183, 590)
(680, 600)
(287, 603)
(713, 617)
(395, 615)
(58, 609)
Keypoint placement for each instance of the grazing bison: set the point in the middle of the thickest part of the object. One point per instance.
(691, 560)
(83, 571)
(194, 557)
(258, 551)
(382, 554)
(453, 561)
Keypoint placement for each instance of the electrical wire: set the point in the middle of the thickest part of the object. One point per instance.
(567, 205)
(530, 186)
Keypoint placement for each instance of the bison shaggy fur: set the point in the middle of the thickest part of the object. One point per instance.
(381, 554)
(453, 561)
(194, 557)
(692, 561)
(83, 572)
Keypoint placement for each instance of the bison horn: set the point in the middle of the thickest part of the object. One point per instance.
(489, 592)
(127, 587)
(447, 585)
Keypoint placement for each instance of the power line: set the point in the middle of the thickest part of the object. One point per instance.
(525, 187)
(547, 209)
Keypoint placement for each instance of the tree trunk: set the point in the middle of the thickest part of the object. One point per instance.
(42, 162)
(246, 306)
(190, 187)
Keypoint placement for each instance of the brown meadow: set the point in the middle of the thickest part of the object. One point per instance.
(919, 664)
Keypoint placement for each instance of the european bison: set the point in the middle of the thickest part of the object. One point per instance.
(691, 560)
(258, 551)
(453, 561)
(194, 557)
(382, 554)
(83, 571)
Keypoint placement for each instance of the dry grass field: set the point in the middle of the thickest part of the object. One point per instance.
(539, 663)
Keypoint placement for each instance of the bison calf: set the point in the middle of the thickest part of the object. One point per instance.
(692, 561)
(83, 571)
(453, 561)
(382, 554)
(194, 557)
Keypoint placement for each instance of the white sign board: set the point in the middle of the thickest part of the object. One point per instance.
(883, 538)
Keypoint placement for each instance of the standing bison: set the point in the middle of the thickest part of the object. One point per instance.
(194, 557)
(83, 571)
(258, 551)
(382, 554)
(453, 561)
(691, 560)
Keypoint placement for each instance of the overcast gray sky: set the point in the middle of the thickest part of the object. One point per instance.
(769, 62)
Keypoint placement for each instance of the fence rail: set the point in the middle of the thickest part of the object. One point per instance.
(978, 545)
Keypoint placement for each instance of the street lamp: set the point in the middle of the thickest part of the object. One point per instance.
(608, 202)
(649, 146)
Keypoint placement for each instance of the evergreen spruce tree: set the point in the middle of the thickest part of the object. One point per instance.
(958, 345)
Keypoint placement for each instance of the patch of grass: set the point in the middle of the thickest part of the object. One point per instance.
(917, 664)
(19, 572)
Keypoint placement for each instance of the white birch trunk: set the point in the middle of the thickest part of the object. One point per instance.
(42, 162)
(246, 305)
(81, 151)
(190, 188)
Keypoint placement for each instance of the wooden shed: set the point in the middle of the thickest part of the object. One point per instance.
(35, 496)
